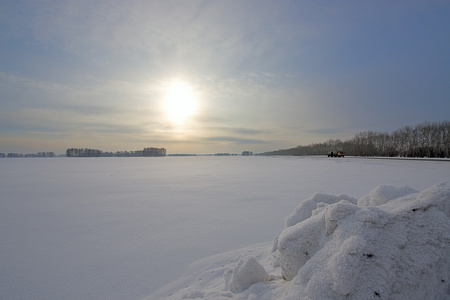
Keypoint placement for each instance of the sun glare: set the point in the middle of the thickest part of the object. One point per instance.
(180, 102)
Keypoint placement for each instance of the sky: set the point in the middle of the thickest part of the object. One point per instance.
(217, 76)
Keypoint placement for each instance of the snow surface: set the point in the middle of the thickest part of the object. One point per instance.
(203, 227)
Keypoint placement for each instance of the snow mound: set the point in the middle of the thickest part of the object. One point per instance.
(393, 243)
(247, 272)
(398, 248)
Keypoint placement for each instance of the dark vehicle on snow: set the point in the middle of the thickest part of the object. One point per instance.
(336, 154)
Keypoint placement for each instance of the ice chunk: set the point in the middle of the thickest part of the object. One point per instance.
(298, 243)
(438, 196)
(247, 272)
(384, 193)
(336, 212)
(305, 209)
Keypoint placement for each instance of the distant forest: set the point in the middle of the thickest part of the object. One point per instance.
(86, 152)
(422, 140)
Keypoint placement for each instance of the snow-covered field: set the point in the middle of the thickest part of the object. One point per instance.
(204, 227)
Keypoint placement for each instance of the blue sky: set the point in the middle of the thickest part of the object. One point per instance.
(261, 75)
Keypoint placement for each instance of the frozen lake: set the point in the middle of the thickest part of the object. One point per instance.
(121, 228)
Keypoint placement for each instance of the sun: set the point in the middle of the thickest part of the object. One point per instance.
(179, 102)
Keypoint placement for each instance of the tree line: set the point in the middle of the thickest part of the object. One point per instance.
(428, 139)
(86, 152)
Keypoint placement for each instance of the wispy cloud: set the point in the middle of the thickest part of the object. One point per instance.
(222, 35)
(234, 140)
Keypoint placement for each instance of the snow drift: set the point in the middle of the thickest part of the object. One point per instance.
(393, 243)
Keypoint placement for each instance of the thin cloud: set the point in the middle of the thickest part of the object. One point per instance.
(239, 130)
(234, 140)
